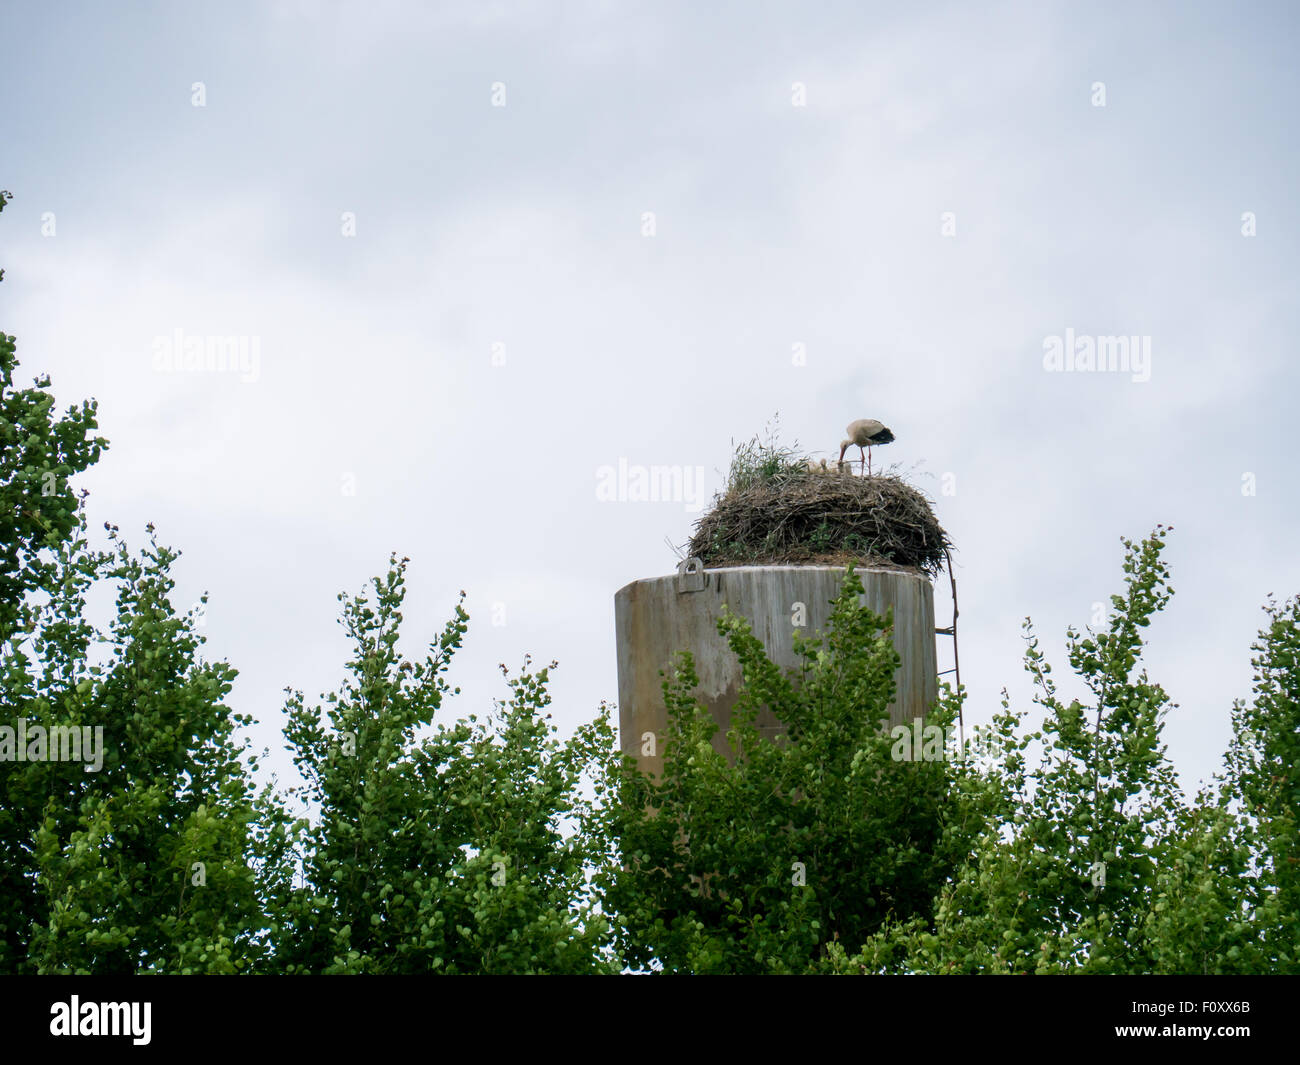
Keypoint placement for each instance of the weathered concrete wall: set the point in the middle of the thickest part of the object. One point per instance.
(654, 620)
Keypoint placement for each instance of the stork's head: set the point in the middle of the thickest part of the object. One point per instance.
(844, 446)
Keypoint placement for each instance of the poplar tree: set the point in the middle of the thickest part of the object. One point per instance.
(140, 859)
(429, 844)
(1094, 861)
(147, 864)
(39, 520)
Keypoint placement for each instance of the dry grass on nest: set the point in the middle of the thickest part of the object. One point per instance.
(817, 518)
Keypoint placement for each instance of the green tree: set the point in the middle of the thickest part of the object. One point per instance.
(1261, 793)
(466, 850)
(137, 861)
(39, 454)
(39, 519)
(1095, 862)
(144, 865)
(761, 862)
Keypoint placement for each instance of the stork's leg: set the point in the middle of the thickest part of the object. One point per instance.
(863, 453)
(868, 462)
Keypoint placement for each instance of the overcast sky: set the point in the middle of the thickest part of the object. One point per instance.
(593, 233)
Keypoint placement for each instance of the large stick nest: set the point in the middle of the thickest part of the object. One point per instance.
(822, 519)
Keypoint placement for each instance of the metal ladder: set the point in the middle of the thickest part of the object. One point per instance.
(951, 630)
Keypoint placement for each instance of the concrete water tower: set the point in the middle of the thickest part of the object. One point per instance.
(657, 617)
(775, 549)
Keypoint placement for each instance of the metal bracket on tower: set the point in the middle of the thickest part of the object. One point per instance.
(690, 575)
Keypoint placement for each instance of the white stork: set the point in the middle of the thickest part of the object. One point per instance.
(865, 433)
